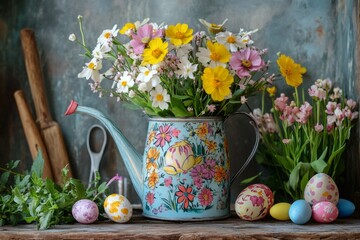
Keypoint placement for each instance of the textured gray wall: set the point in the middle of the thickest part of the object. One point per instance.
(320, 34)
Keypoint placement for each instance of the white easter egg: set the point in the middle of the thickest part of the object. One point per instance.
(118, 208)
(85, 211)
(254, 202)
(321, 187)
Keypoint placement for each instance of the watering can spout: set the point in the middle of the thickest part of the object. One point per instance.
(132, 159)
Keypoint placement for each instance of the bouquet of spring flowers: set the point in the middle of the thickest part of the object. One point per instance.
(301, 138)
(170, 71)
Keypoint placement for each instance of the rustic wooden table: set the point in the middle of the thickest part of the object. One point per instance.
(231, 228)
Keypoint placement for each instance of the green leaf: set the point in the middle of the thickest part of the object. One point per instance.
(45, 220)
(79, 188)
(38, 165)
(250, 179)
(180, 97)
(304, 181)
(294, 176)
(285, 162)
(102, 188)
(318, 165)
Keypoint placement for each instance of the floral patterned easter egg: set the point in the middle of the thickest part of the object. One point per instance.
(118, 208)
(324, 212)
(85, 211)
(321, 187)
(254, 202)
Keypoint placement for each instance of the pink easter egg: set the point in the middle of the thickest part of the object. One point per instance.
(324, 212)
(321, 187)
(85, 211)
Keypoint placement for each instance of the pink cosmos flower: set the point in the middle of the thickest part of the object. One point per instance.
(205, 197)
(163, 136)
(143, 36)
(150, 198)
(175, 132)
(245, 61)
(198, 171)
(198, 182)
(168, 181)
(209, 168)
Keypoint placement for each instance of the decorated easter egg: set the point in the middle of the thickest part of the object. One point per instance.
(280, 211)
(324, 212)
(85, 211)
(321, 188)
(346, 208)
(300, 212)
(254, 202)
(118, 208)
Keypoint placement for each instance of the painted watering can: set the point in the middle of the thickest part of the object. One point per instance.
(184, 174)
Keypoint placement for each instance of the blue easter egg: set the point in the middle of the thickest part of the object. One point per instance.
(300, 212)
(346, 208)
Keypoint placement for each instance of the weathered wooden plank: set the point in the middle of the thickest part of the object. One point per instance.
(231, 228)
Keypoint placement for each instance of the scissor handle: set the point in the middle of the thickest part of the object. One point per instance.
(91, 152)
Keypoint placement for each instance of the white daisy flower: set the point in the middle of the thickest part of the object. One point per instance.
(160, 98)
(107, 35)
(91, 70)
(100, 51)
(204, 56)
(182, 50)
(146, 74)
(148, 78)
(186, 69)
(72, 37)
(230, 41)
(245, 37)
(125, 83)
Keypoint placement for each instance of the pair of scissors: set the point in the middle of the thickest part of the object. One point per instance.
(95, 157)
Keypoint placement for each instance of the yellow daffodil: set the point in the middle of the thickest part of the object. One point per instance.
(155, 52)
(180, 34)
(271, 91)
(290, 70)
(217, 82)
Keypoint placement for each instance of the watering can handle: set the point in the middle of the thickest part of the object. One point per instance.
(256, 144)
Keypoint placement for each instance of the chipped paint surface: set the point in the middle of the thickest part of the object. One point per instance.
(319, 34)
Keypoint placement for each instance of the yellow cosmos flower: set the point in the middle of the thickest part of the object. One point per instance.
(271, 91)
(202, 130)
(153, 179)
(290, 70)
(213, 27)
(218, 52)
(127, 28)
(217, 82)
(180, 34)
(152, 156)
(155, 52)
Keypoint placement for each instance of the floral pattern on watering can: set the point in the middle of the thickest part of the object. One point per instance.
(186, 173)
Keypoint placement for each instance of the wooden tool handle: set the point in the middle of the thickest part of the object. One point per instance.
(33, 68)
(32, 133)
